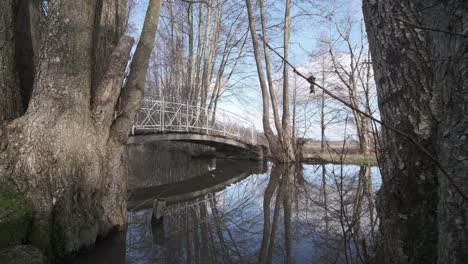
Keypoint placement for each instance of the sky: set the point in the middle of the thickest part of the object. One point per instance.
(305, 36)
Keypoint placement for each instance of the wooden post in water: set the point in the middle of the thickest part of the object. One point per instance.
(159, 206)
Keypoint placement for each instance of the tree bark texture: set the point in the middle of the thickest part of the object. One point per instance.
(108, 27)
(66, 154)
(450, 67)
(421, 75)
(10, 99)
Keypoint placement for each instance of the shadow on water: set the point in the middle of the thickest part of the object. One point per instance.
(243, 212)
(220, 174)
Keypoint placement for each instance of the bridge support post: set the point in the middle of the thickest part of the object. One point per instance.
(252, 134)
(187, 117)
(162, 114)
(207, 121)
(159, 207)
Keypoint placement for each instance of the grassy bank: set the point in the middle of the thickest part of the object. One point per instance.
(348, 153)
(335, 158)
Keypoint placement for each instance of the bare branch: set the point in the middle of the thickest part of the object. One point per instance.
(396, 130)
(432, 29)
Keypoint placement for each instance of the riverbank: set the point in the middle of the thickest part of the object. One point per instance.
(314, 158)
(202, 194)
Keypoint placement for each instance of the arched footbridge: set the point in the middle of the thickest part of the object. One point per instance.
(169, 120)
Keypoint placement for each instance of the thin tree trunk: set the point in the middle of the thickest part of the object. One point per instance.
(196, 85)
(281, 145)
(322, 111)
(272, 141)
(294, 102)
(214, 41)
(288, 145)
(273, 98)
(220, 81)
(206, 56)
(132, 93)
(191, 61)
(350, 77)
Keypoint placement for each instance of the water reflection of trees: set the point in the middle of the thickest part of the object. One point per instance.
(349, 215)
(323, 214)
(334, 212)
(170, 161)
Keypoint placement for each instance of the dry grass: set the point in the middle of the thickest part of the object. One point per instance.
(335, 153)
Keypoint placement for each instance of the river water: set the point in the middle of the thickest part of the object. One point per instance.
(228, 211)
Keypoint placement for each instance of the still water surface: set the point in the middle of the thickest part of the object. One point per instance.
(224, 211)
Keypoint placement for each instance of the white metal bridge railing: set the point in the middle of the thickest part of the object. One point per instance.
(159, 115)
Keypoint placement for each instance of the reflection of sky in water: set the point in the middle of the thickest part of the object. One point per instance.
(306, 224)
(229, 225)
(240, 210)
(314, 172)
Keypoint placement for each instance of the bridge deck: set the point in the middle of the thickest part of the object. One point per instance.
(161, 120)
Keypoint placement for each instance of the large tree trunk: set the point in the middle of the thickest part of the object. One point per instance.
(450, 57)
(421, 75)
(108, 27)
(10, 99)
(288, 140)
(404, 81)
(66, 154)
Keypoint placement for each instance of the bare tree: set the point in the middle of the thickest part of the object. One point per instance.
(281, 146)
(355, 76)
(201, 50)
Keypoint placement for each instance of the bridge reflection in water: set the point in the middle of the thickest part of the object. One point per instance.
(287, 214)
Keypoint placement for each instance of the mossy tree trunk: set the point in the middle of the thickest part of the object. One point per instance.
(66, 152)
